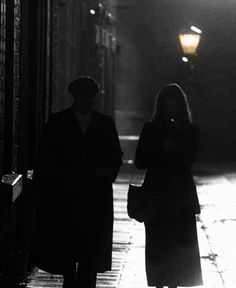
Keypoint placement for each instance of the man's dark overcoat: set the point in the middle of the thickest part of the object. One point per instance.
(75, 206)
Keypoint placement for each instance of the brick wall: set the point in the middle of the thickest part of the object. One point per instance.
(10, 74)
(2, 73)
(83, 43)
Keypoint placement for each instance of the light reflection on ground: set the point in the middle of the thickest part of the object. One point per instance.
(218, 198)
(216, 232)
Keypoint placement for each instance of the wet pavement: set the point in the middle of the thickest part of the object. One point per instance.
(216, 232)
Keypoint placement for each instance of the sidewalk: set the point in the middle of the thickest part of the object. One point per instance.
(121, 241)
(216, 232)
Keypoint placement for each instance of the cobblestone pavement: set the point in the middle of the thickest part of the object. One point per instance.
(121, 240)
(216, 232)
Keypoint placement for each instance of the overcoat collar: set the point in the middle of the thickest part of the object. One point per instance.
(75, 127)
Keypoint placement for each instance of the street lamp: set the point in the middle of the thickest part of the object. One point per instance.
(189, 41)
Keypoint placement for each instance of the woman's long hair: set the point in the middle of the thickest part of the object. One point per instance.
(169, 90)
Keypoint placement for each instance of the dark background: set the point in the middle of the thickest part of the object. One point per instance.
(149, 56)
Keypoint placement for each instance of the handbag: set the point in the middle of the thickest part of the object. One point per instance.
(136, 202)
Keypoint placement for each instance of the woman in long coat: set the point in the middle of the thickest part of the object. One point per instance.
(167, 148)
(79, 160)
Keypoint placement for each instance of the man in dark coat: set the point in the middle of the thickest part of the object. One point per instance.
(79, 160)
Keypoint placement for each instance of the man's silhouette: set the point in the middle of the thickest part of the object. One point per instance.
(79, 159)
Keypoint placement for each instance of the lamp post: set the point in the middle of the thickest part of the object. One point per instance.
(189, 41)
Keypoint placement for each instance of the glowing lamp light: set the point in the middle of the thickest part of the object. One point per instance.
(189, 42)
(92, 11)
(196, 29)
(185, 59)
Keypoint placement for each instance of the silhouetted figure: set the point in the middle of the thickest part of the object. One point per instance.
(167, 147)
(79, 160)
